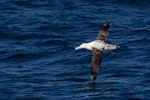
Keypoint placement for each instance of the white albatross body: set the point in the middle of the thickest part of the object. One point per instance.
(98, 44)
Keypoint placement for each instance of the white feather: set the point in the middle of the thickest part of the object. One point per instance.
(98, 44)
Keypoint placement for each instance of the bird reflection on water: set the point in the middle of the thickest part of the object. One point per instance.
(92, 85)
(98, 89)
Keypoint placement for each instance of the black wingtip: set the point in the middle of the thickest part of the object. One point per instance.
(93, 77)
(107, 24)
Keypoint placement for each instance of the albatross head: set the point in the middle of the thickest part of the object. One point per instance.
(83, 45)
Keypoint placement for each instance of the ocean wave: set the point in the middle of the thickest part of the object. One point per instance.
(141, 30)
(38, 59)
(137, 41)
(21, 57)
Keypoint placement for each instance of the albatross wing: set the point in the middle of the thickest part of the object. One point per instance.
(103, 33)
(97, 54)
(96, 61)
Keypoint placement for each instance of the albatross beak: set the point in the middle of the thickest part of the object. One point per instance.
(80, 47)
(77, 48)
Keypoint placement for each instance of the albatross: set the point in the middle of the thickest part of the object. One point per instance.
(98, 46)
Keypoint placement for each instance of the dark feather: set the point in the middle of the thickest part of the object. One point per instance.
(97, 54)
(103, 33)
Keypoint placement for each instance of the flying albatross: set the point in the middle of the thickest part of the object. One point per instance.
(98, 46)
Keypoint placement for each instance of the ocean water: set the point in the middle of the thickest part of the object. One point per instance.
(38, 60)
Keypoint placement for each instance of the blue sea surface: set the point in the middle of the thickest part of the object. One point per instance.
(38, 60)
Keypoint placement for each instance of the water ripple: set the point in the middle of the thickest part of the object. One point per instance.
(38, 60)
